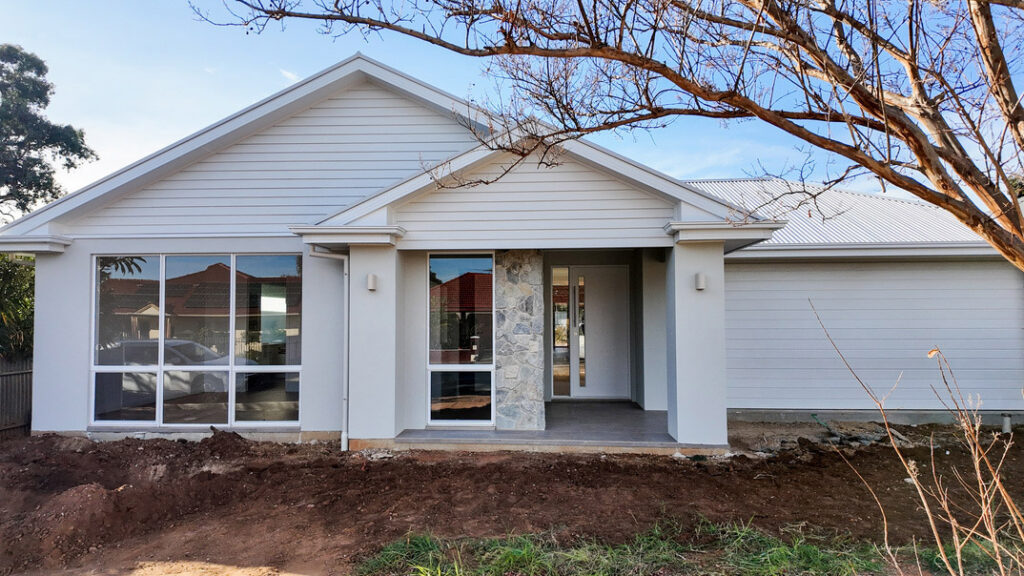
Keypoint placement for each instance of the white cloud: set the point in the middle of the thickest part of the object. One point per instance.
(290, 76)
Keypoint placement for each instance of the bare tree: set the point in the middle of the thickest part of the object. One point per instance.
(919, 93)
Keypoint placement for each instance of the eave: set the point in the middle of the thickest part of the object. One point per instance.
(48, 244)
(341, 236)
(734, 235)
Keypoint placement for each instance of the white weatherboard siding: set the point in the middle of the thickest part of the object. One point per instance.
(299, 171)
(885, 317)
(570, 205)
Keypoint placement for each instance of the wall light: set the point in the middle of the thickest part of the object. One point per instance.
(700, 281)
(371, 282)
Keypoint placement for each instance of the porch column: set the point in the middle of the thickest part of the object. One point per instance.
(696, 344)
(372, 342)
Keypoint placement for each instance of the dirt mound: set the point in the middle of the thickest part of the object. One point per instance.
(225, 444)
(311, 509)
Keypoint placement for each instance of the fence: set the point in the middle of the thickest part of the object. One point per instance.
(15, 398)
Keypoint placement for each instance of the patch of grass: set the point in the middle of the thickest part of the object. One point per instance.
(975, 558)
(399, 557)
(513, 555)
(712, 548)
(758, 554)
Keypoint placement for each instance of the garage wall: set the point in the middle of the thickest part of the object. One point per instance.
(885, 317)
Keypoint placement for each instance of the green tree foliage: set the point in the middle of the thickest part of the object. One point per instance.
(30, 147)
(30, 144)
(17, 306)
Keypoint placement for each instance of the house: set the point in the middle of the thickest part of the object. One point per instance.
(310, 268)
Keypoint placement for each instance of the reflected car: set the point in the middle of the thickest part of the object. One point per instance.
(146, 353)
(177, 352)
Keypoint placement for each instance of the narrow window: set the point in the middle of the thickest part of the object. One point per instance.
(197, 296)
(127, 338)
(461, 337)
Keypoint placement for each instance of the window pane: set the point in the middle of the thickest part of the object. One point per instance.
(128, 396)
(127, 310)
(460, 396)
(268, 310)
(195, 397)
(461, 309)
(267, 397)
(197, 302)
(560, 363)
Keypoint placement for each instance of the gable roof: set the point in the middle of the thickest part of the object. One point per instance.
(248, 121)
(589, 153)
(838, 217)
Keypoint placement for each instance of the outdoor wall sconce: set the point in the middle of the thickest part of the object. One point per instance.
(371, 282)
(700, 281)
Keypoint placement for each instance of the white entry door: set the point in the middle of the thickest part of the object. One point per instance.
(597, 322)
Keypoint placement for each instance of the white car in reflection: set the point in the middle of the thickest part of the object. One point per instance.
(179, 352)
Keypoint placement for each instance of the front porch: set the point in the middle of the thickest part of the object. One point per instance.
(572, 426)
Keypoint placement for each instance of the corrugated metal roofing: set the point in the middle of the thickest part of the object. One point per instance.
(838, 216)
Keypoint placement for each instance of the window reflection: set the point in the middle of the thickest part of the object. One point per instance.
(195, 397)
(127, 310)
(197, 297)
(269, 309)
(267, 397)
(193, 383)
(461, 309)
(125, 396)
(460, 396)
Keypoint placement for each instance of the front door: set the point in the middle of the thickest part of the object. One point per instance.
(590, 353)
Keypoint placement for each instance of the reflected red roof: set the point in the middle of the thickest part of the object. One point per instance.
(470, 292)
(206, 293)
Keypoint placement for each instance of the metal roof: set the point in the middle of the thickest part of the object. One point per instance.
(838, 216)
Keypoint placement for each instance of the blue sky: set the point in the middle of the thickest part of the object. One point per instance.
(137, 76)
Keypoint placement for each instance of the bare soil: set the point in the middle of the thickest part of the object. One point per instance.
(229, 506)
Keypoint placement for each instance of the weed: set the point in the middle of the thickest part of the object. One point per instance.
(975, 558)
(719, 548)
(421, 550)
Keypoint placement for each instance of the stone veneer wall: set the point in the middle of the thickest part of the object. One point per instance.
(519, 334)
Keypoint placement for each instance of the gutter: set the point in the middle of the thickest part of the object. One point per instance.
(867, 251)
(314, 253)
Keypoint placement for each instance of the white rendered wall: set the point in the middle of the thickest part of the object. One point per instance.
(412, 341)
(373, 347)
(64, 290)
(696, 345)
(655, 360)
(885, 317)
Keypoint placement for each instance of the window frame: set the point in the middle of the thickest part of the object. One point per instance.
(488, 368)
(231, 370)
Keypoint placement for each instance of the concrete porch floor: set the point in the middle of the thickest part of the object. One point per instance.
(572, 426)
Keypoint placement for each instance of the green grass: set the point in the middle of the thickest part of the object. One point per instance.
(752, 552)
(415, 550)
(975, 558)
(665, 549)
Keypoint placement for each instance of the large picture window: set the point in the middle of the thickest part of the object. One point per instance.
(197, 339)
(461, 338)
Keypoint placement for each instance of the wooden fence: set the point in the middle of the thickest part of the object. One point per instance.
(15, 398)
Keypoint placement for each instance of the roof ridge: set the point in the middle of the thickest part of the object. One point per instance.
(882, 196)
(878, 196)
(748, 179)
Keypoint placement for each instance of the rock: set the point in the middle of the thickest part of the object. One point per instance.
(519, 346)
(374, 454)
